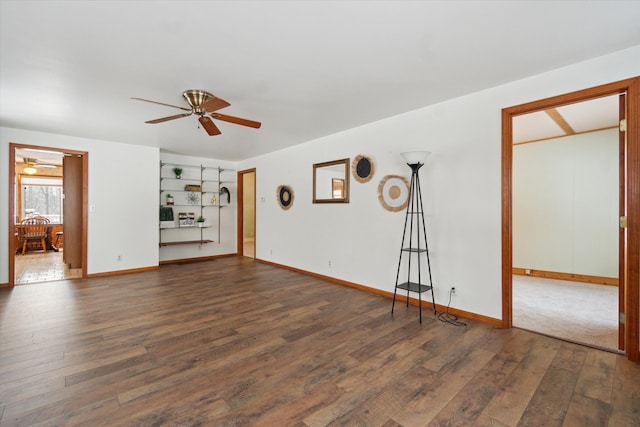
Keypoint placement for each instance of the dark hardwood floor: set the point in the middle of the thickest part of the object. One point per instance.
(234, 342)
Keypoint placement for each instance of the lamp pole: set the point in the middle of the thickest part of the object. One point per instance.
(414, 223)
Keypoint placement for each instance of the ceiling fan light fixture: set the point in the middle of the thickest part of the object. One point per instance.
(30, 168)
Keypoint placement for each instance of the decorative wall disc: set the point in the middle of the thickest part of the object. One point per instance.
(393, 193)
(193, 198)
(285, 196)
(362, 168)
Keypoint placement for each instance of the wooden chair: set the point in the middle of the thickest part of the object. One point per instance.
(59, 239)
(34, 230)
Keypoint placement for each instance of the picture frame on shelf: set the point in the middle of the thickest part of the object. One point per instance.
(187, 219)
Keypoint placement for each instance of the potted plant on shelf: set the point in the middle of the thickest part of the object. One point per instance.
(169, 199)
(201, 221)
(178, 172)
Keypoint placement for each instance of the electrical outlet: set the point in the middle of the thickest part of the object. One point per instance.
(329, 263)
(453, 290)
(119, 257)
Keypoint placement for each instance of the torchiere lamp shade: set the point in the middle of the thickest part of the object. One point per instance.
(415, 157)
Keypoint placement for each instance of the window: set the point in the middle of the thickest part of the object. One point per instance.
(42, 196)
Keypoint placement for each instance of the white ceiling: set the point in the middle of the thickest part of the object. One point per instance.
(594, 114)
(42, 157)
(304, 69)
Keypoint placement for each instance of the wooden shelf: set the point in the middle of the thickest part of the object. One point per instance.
(414, 287)
(185, 242)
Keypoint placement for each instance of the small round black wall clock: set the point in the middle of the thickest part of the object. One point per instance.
(285, 196)
(362, 168)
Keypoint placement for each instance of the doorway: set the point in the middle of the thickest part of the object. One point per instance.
(630, 236)
(566, 187)
(247, 213)
(49, 184)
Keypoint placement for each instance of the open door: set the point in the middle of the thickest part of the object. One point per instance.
(72, 204)
(247, 213)
(622, 238)
(75, 185)
(629, 336)
(566, 185)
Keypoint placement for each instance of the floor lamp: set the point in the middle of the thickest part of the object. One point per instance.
(414, 247)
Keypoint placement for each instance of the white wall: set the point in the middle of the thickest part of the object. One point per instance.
(124, 192)
(565, 204)
(460, 181)
(225, 243)
(123, 189)
(461, 185)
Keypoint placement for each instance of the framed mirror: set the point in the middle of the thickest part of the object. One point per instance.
(331, 182)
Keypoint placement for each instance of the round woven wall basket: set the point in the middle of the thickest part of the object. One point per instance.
(393, 192)
(362, 168)
(285, 196)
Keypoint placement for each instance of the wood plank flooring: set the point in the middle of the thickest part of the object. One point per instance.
(234, 342)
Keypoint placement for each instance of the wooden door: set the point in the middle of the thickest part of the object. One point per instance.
(622, 238)
(247, 213)
(72, 210)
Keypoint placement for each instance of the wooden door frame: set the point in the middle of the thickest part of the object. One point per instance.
(622, 203)
(11, 205)
(240, 213)
(632, 273)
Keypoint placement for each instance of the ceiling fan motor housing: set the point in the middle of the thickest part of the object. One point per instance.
(195, 98)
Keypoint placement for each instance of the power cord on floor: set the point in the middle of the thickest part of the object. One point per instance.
(445, 316)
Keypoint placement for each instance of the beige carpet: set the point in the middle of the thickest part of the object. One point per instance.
(578, 312)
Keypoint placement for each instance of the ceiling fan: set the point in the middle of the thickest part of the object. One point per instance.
(31, 165)
(206, 106)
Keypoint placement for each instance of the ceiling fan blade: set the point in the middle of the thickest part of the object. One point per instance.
(214, 104)
(209, 126)
(166, 119)
(162, 103)
(236, 120)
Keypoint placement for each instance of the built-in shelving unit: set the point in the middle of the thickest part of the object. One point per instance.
(195, 193)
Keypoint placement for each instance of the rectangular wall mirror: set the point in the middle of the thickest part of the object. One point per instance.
(331, 182)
